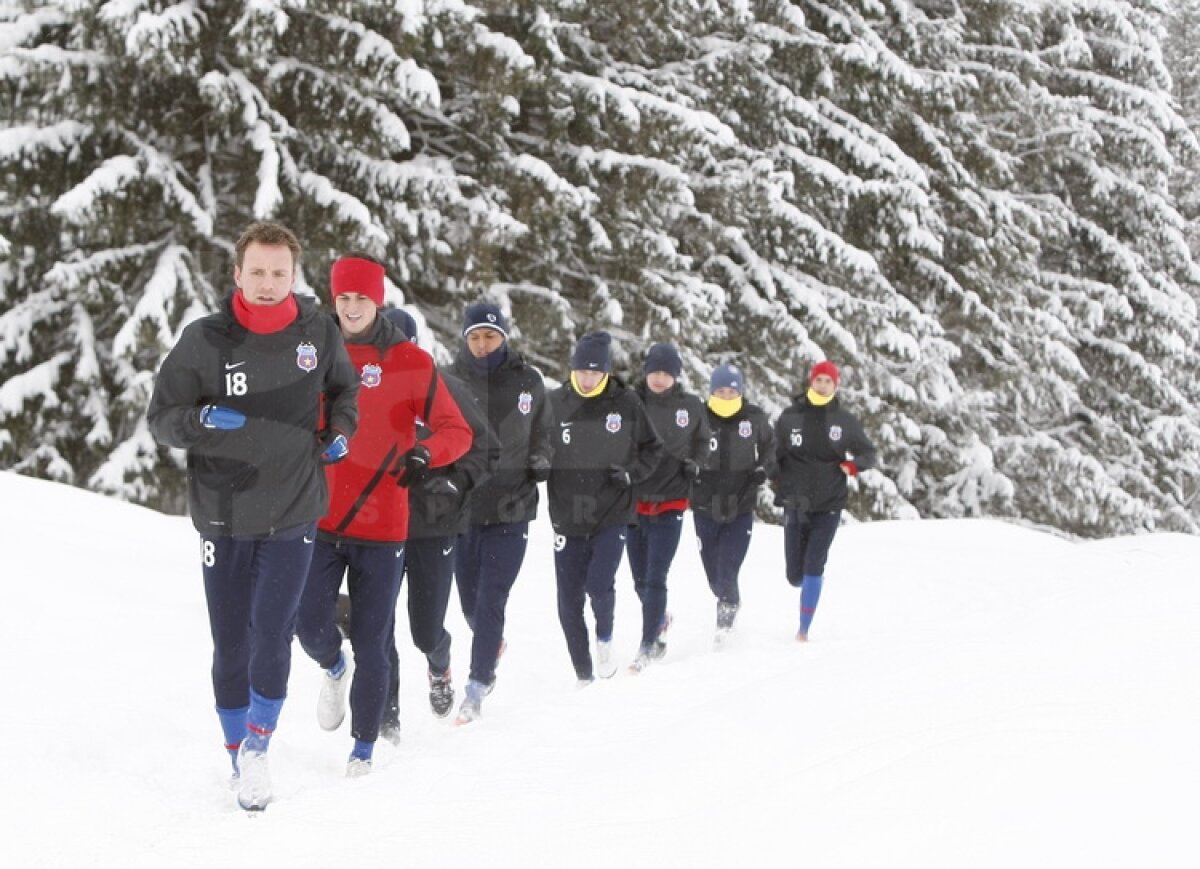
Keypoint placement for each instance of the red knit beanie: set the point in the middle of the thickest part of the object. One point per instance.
(825, 367)
(352, 274)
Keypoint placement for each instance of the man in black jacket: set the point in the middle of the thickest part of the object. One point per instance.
(679, 418)
(437, 515)
(604, 445)
(511, 395)
(724, 497)
(260, 394)
(820, 445)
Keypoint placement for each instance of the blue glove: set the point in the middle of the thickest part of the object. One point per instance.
(214, 416)
(336, 448)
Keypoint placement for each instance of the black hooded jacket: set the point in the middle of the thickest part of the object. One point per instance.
(266, 475)
(811, 443)
(681, 421)
(513, 400)
(594, 437)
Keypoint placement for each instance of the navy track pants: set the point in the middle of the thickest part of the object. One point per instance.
(586, 567)
(486, 568)
(651, 547)
(253, 587)
(723, 547)
(807, 537)
(374, 584)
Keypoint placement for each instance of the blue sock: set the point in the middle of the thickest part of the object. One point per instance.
(362, 750)
(810, 593)
(233, 725)
(339, 668)
(261, 720)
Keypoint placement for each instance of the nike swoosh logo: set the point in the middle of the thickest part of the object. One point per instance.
(447, 551)
(308, 539)
(229, 366)
(564, 424)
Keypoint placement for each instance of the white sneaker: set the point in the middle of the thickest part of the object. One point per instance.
(253, 780)
(641, 662)
(331, 705)
(606, 667)
(357, 767)
(472, 705)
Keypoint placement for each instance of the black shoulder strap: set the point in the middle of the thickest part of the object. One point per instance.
(431, 394)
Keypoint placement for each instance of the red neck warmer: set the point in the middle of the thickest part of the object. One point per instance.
(265, 319)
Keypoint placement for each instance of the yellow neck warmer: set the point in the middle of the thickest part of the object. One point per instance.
(599, 386)
(724, 407)
(817, 400)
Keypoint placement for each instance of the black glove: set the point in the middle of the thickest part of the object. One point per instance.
(539, 469)
(691, 471)
(758, 476)
(416, 466)
(618, 476)
(442, 485)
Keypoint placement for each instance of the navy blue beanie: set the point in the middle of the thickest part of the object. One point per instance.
(403, 319)
(726, 375)
(665, 358)
(593, 353)
(484, 315)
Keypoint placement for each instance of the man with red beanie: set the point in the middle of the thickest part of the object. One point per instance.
(819, 446)
(367, 523)
(242, 392)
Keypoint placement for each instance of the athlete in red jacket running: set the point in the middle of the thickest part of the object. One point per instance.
(367, 522)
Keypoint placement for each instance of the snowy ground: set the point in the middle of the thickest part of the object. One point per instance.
(975, 695)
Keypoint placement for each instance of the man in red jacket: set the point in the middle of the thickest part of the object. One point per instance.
(367, 522)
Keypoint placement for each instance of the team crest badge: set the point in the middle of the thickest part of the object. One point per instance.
(835, 432)
(306, 356)
(525, 403)
(372, 375)
(613, 422)
(681, 418)
(797, 438)
(745, 428)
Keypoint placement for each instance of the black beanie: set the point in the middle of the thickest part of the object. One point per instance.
(484, 315)
(593, 353)
(665, 358)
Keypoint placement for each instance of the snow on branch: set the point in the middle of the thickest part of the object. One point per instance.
(69, 276)
(130, 467)
(17, 323)
(19, 143)
(377, 55)
(155, 301)
(20, 63)
(109, 178)
(26, 28)
(348, 208)
(550, 181)
(162, 36)
(37, 382)
(630, 103)
(268, 196)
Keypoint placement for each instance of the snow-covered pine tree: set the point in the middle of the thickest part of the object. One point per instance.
(1181, 55)
(139, 138)
(1116, 448)
(600, 166)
